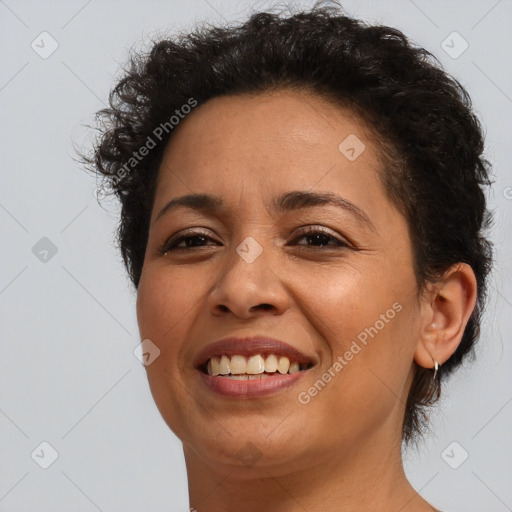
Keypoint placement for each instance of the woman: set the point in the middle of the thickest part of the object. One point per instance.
(302, 216)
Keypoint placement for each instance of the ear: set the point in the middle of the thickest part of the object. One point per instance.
(445, 310)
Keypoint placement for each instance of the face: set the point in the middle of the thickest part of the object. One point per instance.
(298, 243)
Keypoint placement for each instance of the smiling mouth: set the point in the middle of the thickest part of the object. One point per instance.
(253, 367)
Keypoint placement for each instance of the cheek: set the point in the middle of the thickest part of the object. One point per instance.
(166, 307)
(370, 325)
(376, 349)
(347, 303)
(162, 307)
(162, 303)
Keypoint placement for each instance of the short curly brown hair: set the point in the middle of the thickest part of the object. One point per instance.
(433, 148)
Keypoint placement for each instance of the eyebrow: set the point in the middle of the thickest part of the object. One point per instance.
(289, 201)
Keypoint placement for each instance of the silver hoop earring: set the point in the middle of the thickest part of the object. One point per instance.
(436, 367)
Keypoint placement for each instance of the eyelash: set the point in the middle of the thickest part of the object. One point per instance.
(171, 246)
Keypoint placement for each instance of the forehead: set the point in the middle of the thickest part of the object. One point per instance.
(238, 125)
(268, 144)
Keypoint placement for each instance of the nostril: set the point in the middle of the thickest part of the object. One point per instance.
(265, 307)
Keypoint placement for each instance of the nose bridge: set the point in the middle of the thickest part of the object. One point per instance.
(247, 281)
(248, 265)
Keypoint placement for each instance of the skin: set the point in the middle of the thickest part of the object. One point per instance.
(342, 450)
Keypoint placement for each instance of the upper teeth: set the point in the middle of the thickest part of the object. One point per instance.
(252, 365)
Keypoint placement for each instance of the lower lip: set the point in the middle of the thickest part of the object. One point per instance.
(255, 388)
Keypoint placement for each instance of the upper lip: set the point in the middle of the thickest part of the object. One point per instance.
(263, 345)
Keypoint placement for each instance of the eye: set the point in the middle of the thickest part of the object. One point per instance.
(319, 238)
(188, 241)
(194, 240)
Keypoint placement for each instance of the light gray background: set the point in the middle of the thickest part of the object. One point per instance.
(68, 328)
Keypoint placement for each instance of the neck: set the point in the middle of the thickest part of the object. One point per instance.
(361, 479)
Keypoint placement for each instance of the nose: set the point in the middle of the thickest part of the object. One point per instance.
(248, 288)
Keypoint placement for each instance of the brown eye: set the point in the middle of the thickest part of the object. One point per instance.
(187, 242)
(316, 237)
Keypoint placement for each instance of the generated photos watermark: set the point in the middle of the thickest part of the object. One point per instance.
(157, 135)
(304, 397)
